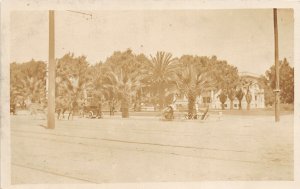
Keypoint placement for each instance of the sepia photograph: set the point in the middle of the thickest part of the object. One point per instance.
(151, 95)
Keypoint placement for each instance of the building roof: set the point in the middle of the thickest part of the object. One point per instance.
(249, 74)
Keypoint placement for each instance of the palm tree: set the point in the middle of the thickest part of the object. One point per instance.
(122, 86)
(246, 84)
(248, 95)
(33, 88)
(231, 95)
(240, 95)
(248, 99)
(68, 92)
(161, 70)
(28, 81)
(72, 78)
(96, 84)
(192, 83)
(223, 98)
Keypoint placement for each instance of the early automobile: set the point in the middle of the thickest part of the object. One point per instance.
(92, 112)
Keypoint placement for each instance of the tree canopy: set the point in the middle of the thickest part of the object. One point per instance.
(286, 82)
(128, 80)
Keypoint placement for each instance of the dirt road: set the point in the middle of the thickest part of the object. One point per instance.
(145, 149)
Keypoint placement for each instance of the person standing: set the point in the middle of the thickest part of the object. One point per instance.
(99, 110)
(113, 109)
(110, 108)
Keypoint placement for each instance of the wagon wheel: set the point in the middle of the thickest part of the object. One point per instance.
(91, 114)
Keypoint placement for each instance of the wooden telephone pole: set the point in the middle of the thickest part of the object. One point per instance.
(52, 68)
(51, 73)
(277, 89)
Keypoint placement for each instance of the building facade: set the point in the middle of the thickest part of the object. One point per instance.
(211, 98)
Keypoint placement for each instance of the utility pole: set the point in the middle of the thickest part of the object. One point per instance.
(277, 89)
(52, 69)
(51, 73)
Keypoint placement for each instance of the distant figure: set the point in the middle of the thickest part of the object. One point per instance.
(71, 109)
(23, 105)
(205, 114)
(168, 113)
(13, 108)
(100, 114)
(81, 110)
(111, 108)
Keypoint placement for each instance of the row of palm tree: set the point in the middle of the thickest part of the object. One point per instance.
(28, 82)
(114, 82)
(128, 79)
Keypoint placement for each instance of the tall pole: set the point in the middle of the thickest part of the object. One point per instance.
(51, 73)
(277, 89)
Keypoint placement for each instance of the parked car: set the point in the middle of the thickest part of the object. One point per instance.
(92, 112)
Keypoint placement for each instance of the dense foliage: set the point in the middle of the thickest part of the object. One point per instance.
(286, 82)
(28, 82)
(127, 81)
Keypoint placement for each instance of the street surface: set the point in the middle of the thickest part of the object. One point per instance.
(146, 149)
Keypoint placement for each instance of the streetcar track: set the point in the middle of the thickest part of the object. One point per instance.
(159, 131)
(53, 173)
(134, 142)
(146, 131)
(151, 151)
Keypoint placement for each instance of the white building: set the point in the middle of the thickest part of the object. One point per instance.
(211, 98)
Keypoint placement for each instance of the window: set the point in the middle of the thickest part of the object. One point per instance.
(235, 105)
(206, 99)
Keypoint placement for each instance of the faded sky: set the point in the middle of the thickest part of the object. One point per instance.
(245, 38)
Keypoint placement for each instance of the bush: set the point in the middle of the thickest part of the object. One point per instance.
(287, 107)
(283, 107)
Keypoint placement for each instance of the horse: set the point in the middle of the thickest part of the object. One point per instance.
(60, 107)
(66, 106)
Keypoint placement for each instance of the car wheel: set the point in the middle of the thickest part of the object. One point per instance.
(91, 114)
